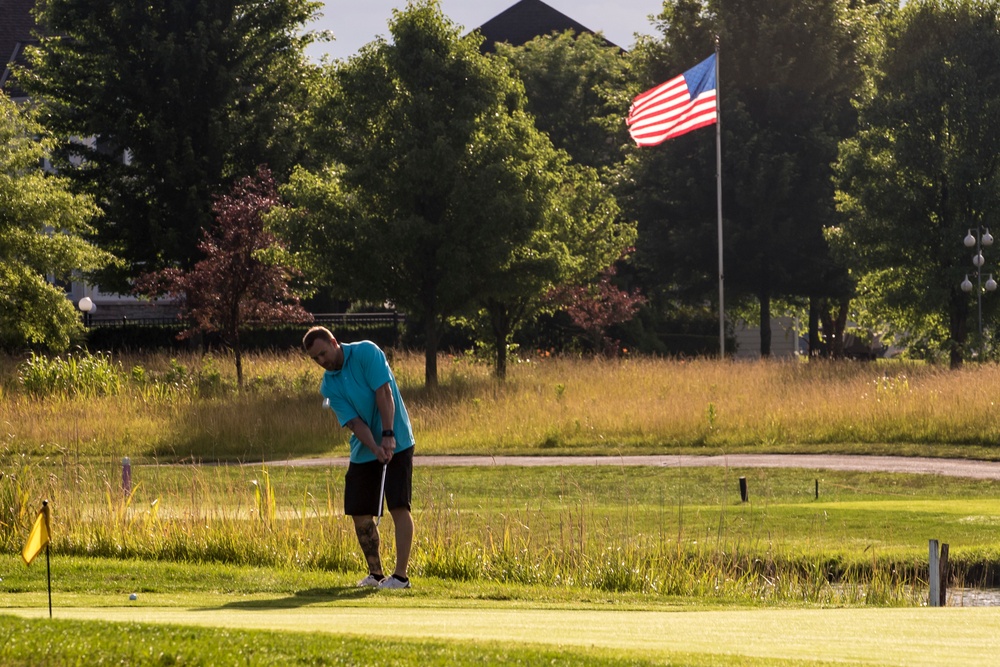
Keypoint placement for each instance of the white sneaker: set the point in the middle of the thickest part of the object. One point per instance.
(393, 582)
(371, 581)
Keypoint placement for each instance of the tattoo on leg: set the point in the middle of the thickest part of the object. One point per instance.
(367, 533)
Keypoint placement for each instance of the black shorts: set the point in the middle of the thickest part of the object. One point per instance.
(364, 481)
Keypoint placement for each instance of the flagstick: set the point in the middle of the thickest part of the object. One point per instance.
(48, 577)
(48, 543)
(718, 201)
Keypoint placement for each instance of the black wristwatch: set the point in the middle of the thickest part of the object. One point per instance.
(388, 433)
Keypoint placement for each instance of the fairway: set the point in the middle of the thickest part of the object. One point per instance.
(905, 637)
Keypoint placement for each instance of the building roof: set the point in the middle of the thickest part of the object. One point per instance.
(523, 21)
(17, 27)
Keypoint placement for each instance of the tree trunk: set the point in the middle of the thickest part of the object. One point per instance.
(432, 338)
(764, 297)
(238, 353)
(501, 356)
(814, 344)
(833, 328)
(500, 322)
(765, 324)
(841, 325)
(958, 311)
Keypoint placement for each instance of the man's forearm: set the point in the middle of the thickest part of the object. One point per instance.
(386, 406)
(365, 435)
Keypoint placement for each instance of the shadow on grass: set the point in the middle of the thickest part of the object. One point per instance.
(253, 427)
(303, 598)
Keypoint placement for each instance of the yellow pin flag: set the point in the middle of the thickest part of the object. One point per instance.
(38, 539)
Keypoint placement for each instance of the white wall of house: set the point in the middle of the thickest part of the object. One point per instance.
(784, 339)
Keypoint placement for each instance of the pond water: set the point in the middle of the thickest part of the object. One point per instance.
(974, 597)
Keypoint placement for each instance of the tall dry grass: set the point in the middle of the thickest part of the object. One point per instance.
(628, 405)
(188, 407)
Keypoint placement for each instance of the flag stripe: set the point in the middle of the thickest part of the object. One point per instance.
(698, 113)
(672, 89)
(682, 104)
(702, 106)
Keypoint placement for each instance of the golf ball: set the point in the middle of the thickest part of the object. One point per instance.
(133, 597)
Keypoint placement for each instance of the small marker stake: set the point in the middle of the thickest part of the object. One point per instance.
(743, 489)
(126, 477)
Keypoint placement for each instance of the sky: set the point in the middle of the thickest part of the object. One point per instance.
(356, 22)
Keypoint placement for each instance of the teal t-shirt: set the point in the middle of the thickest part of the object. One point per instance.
(351, 392)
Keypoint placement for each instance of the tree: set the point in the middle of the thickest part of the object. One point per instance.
(178, 100)
(923, 169)
(597, 307)
(240, 280)
(787, 73)
(43, 233)
(439, 190)
(576, 89)
(580, 234)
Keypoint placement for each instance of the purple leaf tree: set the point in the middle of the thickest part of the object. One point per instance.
(240, 280)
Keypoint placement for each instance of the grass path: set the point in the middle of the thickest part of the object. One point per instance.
(906, 637)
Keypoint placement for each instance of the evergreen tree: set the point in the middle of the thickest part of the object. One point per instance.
(173, 102)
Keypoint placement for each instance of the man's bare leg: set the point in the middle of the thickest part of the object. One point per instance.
(367, 533)
(403, 522)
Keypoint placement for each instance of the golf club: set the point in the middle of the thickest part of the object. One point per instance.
(381, 496)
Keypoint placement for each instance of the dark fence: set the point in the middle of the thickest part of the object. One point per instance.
(385, 329)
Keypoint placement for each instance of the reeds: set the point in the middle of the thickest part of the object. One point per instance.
(246, 516)
(567, 535)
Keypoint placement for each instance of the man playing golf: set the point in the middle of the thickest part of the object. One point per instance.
(363, 394)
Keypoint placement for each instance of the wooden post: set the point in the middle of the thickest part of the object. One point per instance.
(934, 574)
(943, 576)
(817, 489)
(743, 489)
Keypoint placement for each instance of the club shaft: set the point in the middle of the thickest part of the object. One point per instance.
(381, 495)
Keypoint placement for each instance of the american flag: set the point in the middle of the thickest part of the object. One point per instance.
(676, 107)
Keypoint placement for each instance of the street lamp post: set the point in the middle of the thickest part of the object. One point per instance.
(982, 238)
(86, 305)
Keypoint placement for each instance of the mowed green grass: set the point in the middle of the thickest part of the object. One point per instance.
(693, 501)
(61, 642)
(321, 618)
(410, 635)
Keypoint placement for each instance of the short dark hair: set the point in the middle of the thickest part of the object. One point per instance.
(315, 334)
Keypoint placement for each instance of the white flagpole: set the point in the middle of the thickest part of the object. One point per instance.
(718, 201)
